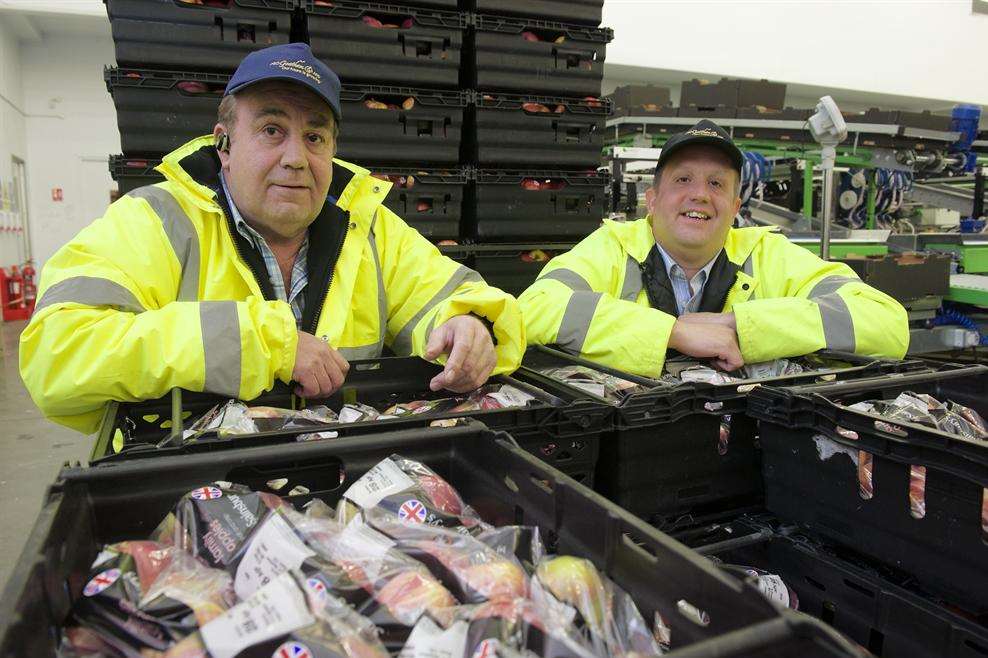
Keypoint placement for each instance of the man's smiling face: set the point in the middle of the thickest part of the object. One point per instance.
(694, 204)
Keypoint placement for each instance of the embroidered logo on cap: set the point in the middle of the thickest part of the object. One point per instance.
(703, 132)
(299, 66)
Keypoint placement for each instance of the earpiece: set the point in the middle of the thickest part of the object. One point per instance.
(223, 143)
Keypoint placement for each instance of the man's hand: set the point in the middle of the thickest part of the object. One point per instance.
(707, 340)
(471, 354)
(724, 319)
(319, 369)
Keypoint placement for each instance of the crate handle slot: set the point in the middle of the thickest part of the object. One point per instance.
(423, 46)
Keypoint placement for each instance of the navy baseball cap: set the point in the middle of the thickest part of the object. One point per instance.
(293, 62)
(705, 132)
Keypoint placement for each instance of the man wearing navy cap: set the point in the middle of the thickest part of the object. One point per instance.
(260, 258)
(683, 279)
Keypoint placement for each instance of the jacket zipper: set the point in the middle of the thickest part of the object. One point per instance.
(329, 282)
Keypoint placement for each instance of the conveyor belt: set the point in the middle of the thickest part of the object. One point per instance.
(969, 289)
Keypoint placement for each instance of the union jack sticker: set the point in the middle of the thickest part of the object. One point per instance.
(412, 510)
(206, 493)
(101, 582)
(292, 650)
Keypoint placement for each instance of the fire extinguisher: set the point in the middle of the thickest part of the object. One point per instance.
(15, 288)
(30, 288)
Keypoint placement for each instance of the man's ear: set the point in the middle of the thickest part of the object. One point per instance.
(737, 205)
(650, 195)
(221, 140)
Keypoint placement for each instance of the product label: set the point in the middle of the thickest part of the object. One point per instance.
(273, 550)
(509, 396)
(275, 610)
(774, 588)
(429, 641)
(381, 481)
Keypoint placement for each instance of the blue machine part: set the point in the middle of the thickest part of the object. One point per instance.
(754, 174)
(852, 191)
(964, 119)
(949, 316)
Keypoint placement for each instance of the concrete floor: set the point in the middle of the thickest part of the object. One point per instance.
(32, 450)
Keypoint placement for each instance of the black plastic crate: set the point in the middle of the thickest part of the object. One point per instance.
(430, 200)
(947, 548)
(174, 35)
(424, 49)
(665, 457)
(513, 204)
(517, 130)
(922, 120)
(131, 173)
(505, 60)
(876, 609)
(84, 509)
(562, 428)
(177, 34)
(733, 93)
(583, 12)
(158, 111)
(640, 98)
(905, 277)
(510, 267)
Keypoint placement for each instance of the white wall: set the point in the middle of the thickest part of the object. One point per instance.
(71, 129)
(12, 130)
(933, 49)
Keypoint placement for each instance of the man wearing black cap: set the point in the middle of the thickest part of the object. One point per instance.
(683, 279)
(260, 257)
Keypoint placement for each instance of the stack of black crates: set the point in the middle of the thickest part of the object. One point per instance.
(538, 124)
(486, 116)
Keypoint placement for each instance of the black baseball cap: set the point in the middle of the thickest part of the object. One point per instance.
(294, 62)
(705, 132)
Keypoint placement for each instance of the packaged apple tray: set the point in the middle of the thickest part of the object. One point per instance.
(891, 468)
(443, 541)
(685, 444)
(559, 425)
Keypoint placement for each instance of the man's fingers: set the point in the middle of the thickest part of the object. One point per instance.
(463, 346)
(437, 344)
(341, 363)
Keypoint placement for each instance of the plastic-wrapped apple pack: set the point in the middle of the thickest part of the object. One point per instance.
(596, 382)
(123, 605)
(285, 617)
(770, 585)
(410, 490)
(470, 569)
(395, 591)
(506, 626)
(235, 417)
(926, 410)
(213, 522)
(601, 611)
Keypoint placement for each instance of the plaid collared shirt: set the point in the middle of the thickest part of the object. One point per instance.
(300, 275)
(689, 292)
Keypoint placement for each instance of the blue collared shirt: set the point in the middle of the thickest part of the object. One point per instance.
(689, 292)
(300, 274)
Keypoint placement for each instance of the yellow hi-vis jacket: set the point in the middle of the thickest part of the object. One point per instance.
(592, 301)
(163, 291)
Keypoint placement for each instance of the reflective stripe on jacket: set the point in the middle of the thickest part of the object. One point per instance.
(788, 302)
(161, 293)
